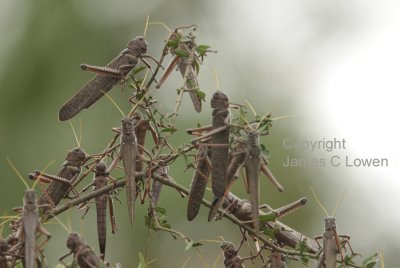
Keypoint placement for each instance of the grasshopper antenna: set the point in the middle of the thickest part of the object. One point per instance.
(216, 78)
(146, 25)
(251, 107)
(162, 24)
(114, 103)
(68, 230)
(17, 172)
(137, 104)
(338, 203)
(319, 202)
(73, 131)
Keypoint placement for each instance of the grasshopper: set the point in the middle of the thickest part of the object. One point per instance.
(231, 257)
(199, 182)
(4, 252)
(253, 162)
(276, 260)
(101, 180)
(83, 254)
(141, 127)
(332, 241)
(30, 224)
(62, 182)
(219, 146)
(186, 62)
(106, 78)
(242, 210)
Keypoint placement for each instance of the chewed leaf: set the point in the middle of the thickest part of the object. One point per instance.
(142, 261)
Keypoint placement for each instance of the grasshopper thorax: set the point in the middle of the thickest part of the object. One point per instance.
(137, 46)
(100, 168)
(30, 197)
(77, 155)
(330, 223)
(219, 100)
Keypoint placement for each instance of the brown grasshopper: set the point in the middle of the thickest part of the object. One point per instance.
(30, 224)
(242, 210)
(332, 241)
(82, 253)
(219, 146)
(61, 184)
(276, 260)
(106, 78)
(253, 164)
(199, 182)
(4, 252)
(185, 63)
(101, 180)
(231, 257)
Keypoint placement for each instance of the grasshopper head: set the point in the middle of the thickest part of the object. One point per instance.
(4, 247)
(73, 242)
(227, 246)
(138, 45)
(219, 100)
(77, 155)
(100, 168)
(330, 223)
(127, 125)
(30, 197)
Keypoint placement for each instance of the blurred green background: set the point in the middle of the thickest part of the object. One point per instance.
(274, 54)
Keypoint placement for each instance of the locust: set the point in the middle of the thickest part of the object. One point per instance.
(253, 162)
(60, 184)
(106, 78)
(30, 225)
(141, 127)
(231, 257)
(4, 252)
(276, 260)
(219, 132)
(184, 60)
(100, 180)
(82, 253)
(242, 209)
(332, 242)
(199, 182)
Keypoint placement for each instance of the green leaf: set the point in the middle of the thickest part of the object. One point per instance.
(182, 53)
(267, 217)
(268, 232)
(168, 130)
(371, 261)
(138, 69)
(195, 245)
(202, 49)
(161, 210)
(264, 150)
(142, 261)
(201, 95)
(196, 66)
(173, 43)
